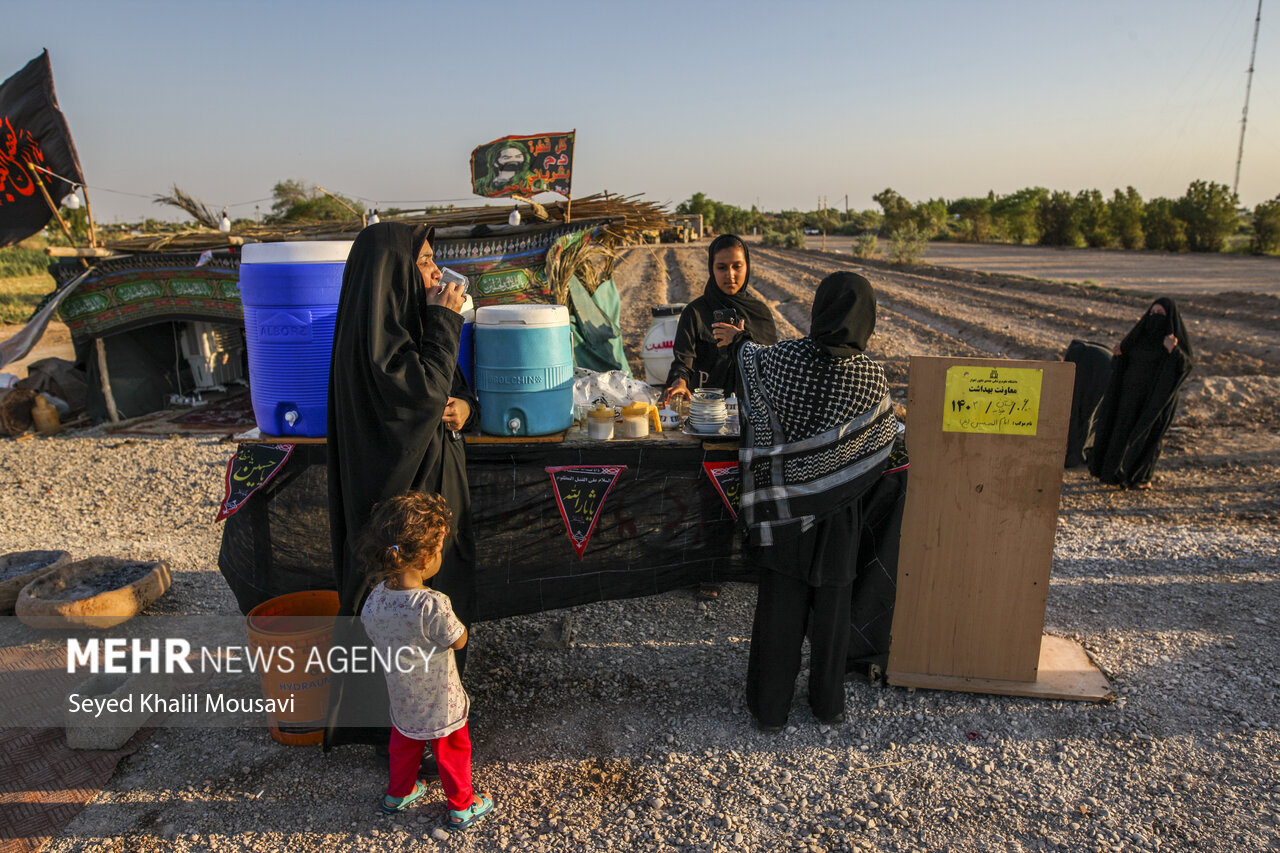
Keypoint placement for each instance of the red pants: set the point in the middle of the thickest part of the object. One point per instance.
(453, 755)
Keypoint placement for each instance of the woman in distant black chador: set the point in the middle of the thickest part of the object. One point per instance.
(1150, 365)
(396, 403)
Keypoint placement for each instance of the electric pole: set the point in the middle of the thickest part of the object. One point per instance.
(1248, 86)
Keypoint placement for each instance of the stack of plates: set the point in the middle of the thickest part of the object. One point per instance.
(707, 412)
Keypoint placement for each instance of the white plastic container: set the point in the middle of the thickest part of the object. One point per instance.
(659, 342)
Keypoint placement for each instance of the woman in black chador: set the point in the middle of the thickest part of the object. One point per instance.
(1150, 365)
(396, 403)
(818, 430)
(697, 360)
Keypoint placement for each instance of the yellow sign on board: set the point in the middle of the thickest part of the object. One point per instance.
(998, 400)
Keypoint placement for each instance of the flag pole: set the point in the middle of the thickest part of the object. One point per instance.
(88, 212)
(53, 207)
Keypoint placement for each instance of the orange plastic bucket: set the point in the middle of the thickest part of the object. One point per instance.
(290, 627)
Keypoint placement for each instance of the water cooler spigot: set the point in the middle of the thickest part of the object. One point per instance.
(291, 417)
(514, 425)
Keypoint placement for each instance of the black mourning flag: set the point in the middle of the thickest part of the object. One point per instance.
(32, 130)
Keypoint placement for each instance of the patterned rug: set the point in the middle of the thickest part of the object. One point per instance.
(223, 416)
(43, 782)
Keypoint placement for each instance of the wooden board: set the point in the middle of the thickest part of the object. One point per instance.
(977, 532)
(1065, 672)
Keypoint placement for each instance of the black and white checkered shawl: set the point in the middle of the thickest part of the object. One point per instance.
(816, 433)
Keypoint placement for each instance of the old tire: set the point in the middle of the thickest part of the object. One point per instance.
(19, 568)
(63, 598)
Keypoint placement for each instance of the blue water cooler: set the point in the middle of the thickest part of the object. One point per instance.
(290, 296)
(524, 369)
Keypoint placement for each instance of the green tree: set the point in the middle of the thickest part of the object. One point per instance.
(295, 203)
(930, 217)
(897, 210)
(1059, 223)
(287, 194)
(1209, 211)
(1266, 227)
(1126, 218)
(976, 224)
(1017, 216)
(1094, 216)
(1161, 226)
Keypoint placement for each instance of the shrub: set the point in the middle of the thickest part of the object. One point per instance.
(794, 239)
(1266, 227)
(772, 238)
(866, 246)
(16, 261)
(1209, 211)
(1162, 227)
(907, 244)
(1060, 221)
(1094, 216)
(1126, 218)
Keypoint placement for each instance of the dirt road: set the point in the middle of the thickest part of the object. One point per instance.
(1150, 273)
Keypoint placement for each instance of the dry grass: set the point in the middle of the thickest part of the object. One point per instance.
(20, 295)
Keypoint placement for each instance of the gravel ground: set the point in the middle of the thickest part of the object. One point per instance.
(634, 736)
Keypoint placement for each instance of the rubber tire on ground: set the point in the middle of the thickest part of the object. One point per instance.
(36, 607)
(10, 587)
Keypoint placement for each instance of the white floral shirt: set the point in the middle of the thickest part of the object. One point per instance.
(418, 626)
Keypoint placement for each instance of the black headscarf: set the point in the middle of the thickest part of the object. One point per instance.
(759, 318)
(844, 314)
(1152, 329)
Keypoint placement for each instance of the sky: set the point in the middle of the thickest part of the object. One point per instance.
(777, 104)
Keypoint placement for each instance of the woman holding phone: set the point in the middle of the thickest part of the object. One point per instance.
(698, 359)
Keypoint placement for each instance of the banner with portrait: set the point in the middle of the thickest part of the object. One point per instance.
(32, 133)
(523, 165)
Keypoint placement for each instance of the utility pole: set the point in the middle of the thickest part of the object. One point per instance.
(1244, 116)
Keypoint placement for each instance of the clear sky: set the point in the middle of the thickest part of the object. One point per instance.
(777, 102)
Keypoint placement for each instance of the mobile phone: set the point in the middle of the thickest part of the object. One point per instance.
(725, 315)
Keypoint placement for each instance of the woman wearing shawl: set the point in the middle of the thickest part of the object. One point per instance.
(396, 404)
(697, 360)
(818, 430)
(1150, 365)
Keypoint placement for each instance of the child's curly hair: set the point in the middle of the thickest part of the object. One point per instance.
(401, 531)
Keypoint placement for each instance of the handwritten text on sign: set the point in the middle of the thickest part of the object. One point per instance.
(999, 400)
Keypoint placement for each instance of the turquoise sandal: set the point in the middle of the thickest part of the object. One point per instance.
(392, 805)
(481, 805)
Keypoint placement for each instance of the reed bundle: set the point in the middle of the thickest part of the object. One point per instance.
(628, 218)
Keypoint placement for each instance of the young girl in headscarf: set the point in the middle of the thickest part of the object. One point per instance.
(818, 429)
(396, 403)
(697, 360)
(1147, 373)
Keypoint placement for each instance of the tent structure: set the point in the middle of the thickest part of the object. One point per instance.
(159, 318)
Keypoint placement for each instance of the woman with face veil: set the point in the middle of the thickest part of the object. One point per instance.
(396, 404)
(1147, 373)
(818, 430)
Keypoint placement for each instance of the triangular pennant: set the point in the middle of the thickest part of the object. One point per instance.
(724, 476)
(249, 470)
(580, 492)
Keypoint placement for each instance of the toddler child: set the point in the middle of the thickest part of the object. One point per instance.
(402, 547)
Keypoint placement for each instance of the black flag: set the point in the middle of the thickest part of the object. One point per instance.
(32, 130)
